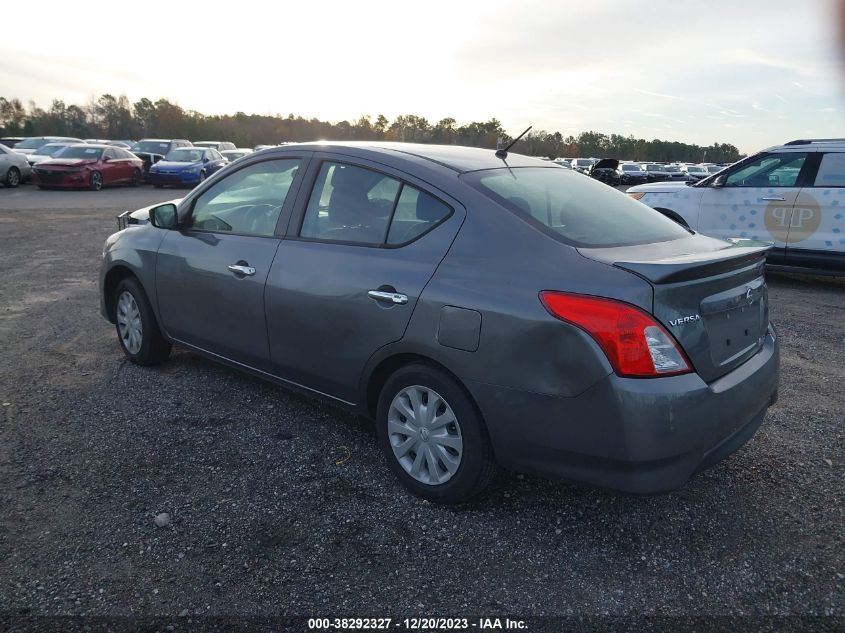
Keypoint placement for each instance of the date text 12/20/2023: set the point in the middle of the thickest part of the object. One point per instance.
(416, 624)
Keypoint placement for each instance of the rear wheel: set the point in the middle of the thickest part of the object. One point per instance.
(96, 182)
(137, 328)
(433, 436)
(13, 177)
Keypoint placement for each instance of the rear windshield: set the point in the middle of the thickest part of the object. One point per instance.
(577, 210)
(80, 151)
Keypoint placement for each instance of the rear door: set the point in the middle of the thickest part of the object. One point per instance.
(360, 251)
(816, 236)
(210, 274)
(756, 201)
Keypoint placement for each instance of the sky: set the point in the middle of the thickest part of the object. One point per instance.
(753, 73)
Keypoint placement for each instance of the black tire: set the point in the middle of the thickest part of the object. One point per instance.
(13, 177)
(478, 465)
(136, 178)
(154, 348)
(96, 181)
(202, 177)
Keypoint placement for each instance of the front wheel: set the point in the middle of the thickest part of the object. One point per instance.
(137, 328)
(433, 436)
(13, 177)
(202, 176)
(96, 182)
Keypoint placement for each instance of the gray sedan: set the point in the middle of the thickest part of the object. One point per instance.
(14, 168)
(482, 308)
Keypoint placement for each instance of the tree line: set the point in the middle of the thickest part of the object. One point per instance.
(116, 118)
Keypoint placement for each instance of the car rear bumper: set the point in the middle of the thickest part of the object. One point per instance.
(642, 436)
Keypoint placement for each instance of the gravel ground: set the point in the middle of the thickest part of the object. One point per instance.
(280, 505)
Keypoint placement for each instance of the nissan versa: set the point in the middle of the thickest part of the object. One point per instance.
(482, 308)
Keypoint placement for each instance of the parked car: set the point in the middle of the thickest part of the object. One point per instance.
(14, 168)
(152, 150)
(11, 141)
(479, 311)
(606, 171)
(676, 173)
(234, 154)
(582, 164)
(186, 166)
(28, 146)
(46, 152)
(695, 172)
(714, 169)
(89, 166)
(218, 145)
(631, 174)
(656, 172)
(791, 195)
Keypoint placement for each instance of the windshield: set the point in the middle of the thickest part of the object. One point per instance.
(91, 153)
(630, 167)
(233, 155)
(151, 147)
(580, 211)
(32, 143)
(714, 168)
(185, 155)
(696, 168)
(655, 168)
(49, 150)
(583, 162)
(672, 169)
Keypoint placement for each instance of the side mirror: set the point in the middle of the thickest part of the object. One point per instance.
(719, 181)
(164, 216)
(106, 159)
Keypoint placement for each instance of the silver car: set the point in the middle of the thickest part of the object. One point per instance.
(14, 167)
(483, 308)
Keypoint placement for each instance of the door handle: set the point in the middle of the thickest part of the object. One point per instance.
(242, 270)
(388, 297)
(774, 199)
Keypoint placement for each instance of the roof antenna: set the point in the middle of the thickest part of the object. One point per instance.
(503, 153)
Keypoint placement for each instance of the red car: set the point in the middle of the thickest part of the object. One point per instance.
(90, 166)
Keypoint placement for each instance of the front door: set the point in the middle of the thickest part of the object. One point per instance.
(756, 201)
(347, 279)
(210, 274)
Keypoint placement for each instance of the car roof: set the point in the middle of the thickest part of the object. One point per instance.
(455, 157)
(810, 145)
(94, 145)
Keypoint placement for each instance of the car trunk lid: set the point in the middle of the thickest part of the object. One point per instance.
(710, 294)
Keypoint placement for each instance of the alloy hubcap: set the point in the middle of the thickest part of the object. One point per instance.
(13, 177)
(425, 435)
(129, 322)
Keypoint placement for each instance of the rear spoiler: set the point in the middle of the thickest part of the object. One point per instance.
(674, 267)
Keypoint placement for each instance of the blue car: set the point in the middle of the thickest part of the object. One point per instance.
(186, 166)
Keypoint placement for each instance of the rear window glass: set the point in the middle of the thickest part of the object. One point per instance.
(578, 210)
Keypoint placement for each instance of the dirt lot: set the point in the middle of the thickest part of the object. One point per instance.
(281, 505)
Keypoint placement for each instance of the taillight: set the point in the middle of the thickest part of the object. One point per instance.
(635, 344)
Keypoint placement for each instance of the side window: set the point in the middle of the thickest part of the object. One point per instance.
(770, 170)
(831, 171)
(416, 213)
(350, 204)
(248, 201)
